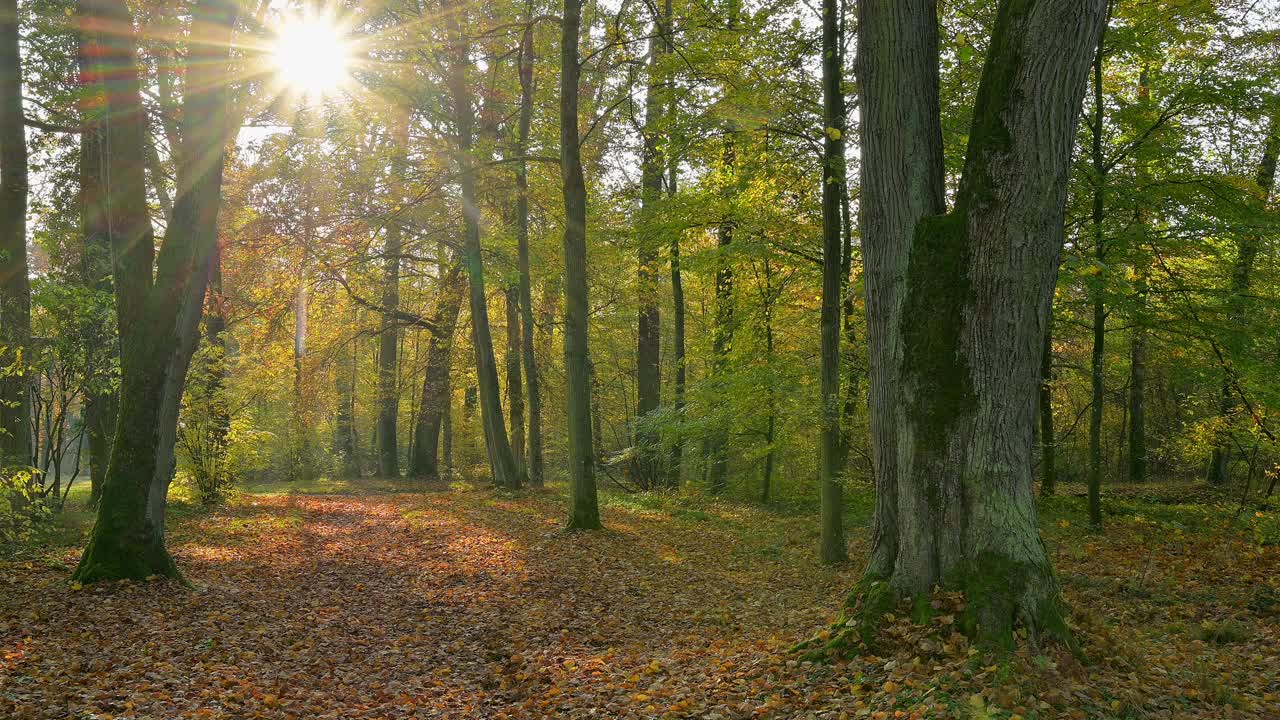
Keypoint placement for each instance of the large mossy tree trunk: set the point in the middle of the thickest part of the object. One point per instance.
(433, 413)
(584, 512)
(902, 182)
(971, 310)
(831, 545)
(502, 462)
(533, 383)
(15, 288)
(158, 316)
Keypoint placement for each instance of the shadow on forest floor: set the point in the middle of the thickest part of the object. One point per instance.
(373, 599)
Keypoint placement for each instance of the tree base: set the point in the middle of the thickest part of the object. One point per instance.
(1000, 597)
(119, 558)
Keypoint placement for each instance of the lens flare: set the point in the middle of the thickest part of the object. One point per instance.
(311, 56)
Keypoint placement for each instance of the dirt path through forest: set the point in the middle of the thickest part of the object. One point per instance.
(465, 605)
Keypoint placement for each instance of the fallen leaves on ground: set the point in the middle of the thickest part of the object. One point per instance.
(466, 605)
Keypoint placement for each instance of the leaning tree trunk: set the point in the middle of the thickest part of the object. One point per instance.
(506, 474)
(434, 411)
(15, 288)
(977, 286)
(831, 546)
(158, 315)
(533, 384)
(584, 512)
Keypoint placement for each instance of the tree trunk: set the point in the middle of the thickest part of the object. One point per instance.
(15, 288)
(100, 340)
(515, 395)
(853, 374)
(300, 421)
(716, 446)
(434, 411)
(766, 312)
(1241, 280)
(158, 315)
(1137, 388)
(389, 337)
(498, 448)
(344, 440)
(832, 548)
(533, 384)
(1097, 287)
(674, 474)
(1048, 468)
(975, 299)
(584, 512)
(902, 183)
(648, 468)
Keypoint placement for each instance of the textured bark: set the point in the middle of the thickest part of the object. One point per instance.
(434, 411)
(831, 544)
(975, 301)
(15, 288)
(648, 468)
(502, 462)
(1096, 290)
(902, 182)
(515, 394)
(1241, 280)
(584, 512)
(389, 336)
(533, 384)
(158, 315)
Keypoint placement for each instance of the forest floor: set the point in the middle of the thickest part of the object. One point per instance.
(368, 600)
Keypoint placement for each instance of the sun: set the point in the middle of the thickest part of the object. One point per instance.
(311, 55)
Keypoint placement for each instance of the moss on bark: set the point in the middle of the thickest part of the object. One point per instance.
(1003, 595)
(932, 318)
